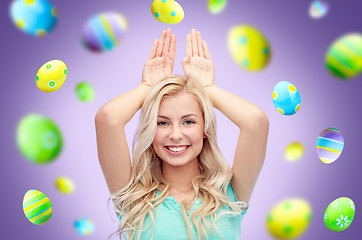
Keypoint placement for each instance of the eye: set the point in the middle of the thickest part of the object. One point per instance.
(161, 123)
(189, 122)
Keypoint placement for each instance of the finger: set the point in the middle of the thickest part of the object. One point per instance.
(153, 50)
(206, 50)
(160, 44)
(195, 52)
(173, 47)
(166, 46)
(199, 44)
(188, 46)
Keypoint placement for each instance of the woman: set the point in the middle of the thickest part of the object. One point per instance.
(179, 185)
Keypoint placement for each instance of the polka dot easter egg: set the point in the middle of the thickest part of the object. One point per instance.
(339, 214)
(51, 76)
(104, 32)
(286, 98)
(64, 185)
(37, 207)
(294, 151)
(84, 226)
(167, 11)
(84, 92)
(330, 144)
(216, 6)
(39, 139)
(318, 9)
(34, 17)
(289, 219)
(344, 56)
(248, 47)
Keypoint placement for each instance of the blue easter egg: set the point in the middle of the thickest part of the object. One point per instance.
(34, 17)
(286, 98)
(84, 226)
(330, 144)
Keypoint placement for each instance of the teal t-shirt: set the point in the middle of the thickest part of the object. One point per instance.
(169, 223)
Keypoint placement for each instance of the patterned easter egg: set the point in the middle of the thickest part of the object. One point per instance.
(318, 9)
(330, 144)
(51, 76)
(84, 92)
(339, 214)
(248, 47)
(216, 6)
(294, 151)
(37, 207)
(167, 11)
(344, 56)
(64, 185)
(39, 139)
(34, 17)
(104, 32)
(286, 98)
(84, 226)
(289, 219)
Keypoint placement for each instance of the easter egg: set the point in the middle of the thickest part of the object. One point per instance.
(318, 9)
(344, 56)
(286, 98)
(104, 32)
(34, 17)
(39, 139)
(289, 219)
(216, 6)
(37, 207)
(294, 151)
(84, 226)
(330, 144)
(64, 185)
(339, 214)
(84, 92)
(51, 76)
(167, 11)
(248, 47)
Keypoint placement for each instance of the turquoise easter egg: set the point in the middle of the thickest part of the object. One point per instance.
(167, 11)
(286, 98)
(104, 32)
(216, 6)
(34, 17)
(84, 226)
(84, 92)
(37, 207)
(318, 9)
(344, 56)
(339, 214)
(330, 145)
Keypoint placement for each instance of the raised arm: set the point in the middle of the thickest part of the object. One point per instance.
(251, 120)
(111, 118)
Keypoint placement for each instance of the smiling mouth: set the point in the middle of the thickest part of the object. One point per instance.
(177, 150)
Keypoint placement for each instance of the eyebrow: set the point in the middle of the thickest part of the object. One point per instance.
(185, 116)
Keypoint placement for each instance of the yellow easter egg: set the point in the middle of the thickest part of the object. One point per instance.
(294, 151)
(248, 47)
(64, 185)
(51, 76)
(167, 11)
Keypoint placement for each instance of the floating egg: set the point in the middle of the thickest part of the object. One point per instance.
(64, 185)
(318, 9)
(248, 47)
(339, 214)
(167, 11)
(216, 6)
(294, 151)
(330, 145)
(104, 32)
(289, 219)
(286, 98)
(37, 207)
(51, 76)
(39, 139)
(34, 17)
(84, 226)
(84, 92)
(344, 56)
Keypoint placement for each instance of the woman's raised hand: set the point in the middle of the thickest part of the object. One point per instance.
(159, 64)
(197, 63)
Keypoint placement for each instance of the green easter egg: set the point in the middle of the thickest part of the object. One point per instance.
(339, 214)
(216, 6)
(84, 92)
(37, 207)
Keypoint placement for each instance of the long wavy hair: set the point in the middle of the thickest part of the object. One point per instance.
(138, 198)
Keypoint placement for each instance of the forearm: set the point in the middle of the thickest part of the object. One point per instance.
(241, 112)
(122, 108)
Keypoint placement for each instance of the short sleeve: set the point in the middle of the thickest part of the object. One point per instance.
(231, 195)
(119, 217)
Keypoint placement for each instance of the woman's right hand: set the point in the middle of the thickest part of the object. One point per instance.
(159, 64)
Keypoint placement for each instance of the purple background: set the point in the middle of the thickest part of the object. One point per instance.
(298, 44)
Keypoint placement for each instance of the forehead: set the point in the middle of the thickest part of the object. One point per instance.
(179, 104)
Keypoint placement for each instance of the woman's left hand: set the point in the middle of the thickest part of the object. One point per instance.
(197, 63)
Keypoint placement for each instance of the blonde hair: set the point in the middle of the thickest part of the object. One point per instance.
(138, 198)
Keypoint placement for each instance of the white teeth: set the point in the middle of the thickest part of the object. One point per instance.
(177, 149)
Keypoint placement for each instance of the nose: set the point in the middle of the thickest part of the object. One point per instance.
(176, 133)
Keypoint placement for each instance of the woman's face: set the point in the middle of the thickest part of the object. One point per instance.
(180, 125)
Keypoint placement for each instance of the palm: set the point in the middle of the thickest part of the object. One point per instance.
(157, 68)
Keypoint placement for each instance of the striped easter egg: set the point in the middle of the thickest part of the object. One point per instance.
(104, 31)
(344, 57)
(37, 207)
(330, 145)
